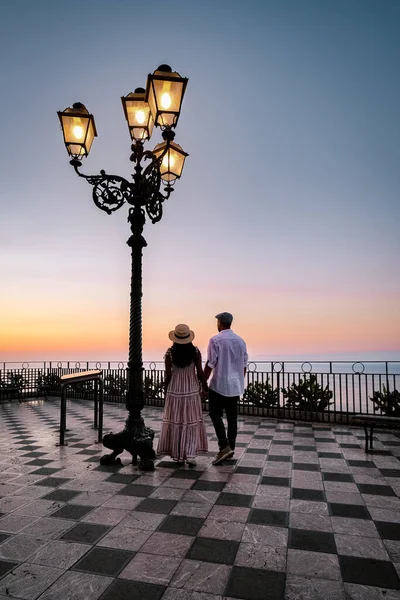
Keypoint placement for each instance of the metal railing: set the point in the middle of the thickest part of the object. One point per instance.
(332, 390)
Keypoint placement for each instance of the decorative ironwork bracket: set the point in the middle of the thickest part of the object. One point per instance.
(110, 192)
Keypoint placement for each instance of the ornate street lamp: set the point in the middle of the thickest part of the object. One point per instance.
(158, 105)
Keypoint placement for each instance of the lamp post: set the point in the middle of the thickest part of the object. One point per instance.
(158, 105)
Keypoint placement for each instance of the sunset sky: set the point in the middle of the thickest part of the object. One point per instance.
(288, 210)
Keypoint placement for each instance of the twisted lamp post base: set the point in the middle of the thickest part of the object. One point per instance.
(135, 438)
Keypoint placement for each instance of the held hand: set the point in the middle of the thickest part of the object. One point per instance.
(204, 392)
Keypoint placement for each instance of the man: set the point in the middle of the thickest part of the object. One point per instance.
(227, 360)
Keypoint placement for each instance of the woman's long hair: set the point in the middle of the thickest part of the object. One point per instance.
(183, 354)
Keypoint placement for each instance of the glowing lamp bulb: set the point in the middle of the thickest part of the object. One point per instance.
(168, 163)
(140, 116)
(166, 100)
(78, 132)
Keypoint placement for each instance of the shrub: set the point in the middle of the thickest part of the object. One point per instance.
(52, 380)
(387, 402)
(153, 390)
(261, 394)
(308, 395)
(115, 385)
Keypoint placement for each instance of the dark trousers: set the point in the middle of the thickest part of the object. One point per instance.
(217, 404)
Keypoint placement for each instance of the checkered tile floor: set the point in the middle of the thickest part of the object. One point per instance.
(300, 514)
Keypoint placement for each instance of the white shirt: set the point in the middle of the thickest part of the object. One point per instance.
(227, 356)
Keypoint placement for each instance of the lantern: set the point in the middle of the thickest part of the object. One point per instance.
(165, 91)
(79, 130)
(138, 115)
(172, 163)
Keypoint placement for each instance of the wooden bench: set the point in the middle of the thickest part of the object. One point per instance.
(371, 421)
(76, 378)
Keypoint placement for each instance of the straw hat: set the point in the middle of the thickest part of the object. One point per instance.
(181, 334)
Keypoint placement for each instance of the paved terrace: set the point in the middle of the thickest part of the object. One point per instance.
(301, 513)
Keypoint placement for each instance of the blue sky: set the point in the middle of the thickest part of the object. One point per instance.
(288, 210)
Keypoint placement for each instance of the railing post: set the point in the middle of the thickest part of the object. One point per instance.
(101, 391)
(96, 403)
(63, 414)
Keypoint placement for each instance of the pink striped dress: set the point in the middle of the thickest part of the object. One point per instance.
(183, 433)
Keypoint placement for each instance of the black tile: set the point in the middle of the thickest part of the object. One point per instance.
(305, 494)
(61, 495)
(213, 550)
(105, 468)
(89, 452)
(45, 471)
(349, 445)
(315, 541)
(282, 442)
(366, 464)
(348, 510)
(155, 505)
(33, 454)
(326, 440)
(255, 584)
(120, 478)
(303, 435)
(392, 443)
(181, 525)
(186, 474)
(52, 481)
(248, 470)
(257, 451)
(136, 490)
(39, 462)
(390, 472)
(87, 533)
(228, 499)
(263, 437)
(305, 448)
(104, 561)
(72, 511)
(297, 466)
(329, 455)
(376, 490)
(3, 536)
(6, 566)
(278, 458)
(168, 464)
(367, 571)
(209, 486)
(122, 589)
(388, 531)
(337, 477)
(282, 481)
(260, 516)
(239, 444)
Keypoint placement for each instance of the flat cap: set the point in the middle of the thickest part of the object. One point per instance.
(224, 317)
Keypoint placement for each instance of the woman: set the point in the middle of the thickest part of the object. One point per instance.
(183, 433)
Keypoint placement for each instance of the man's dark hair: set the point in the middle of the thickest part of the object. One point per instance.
(183, 354)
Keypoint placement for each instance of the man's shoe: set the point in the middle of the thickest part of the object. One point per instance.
(223, 455)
